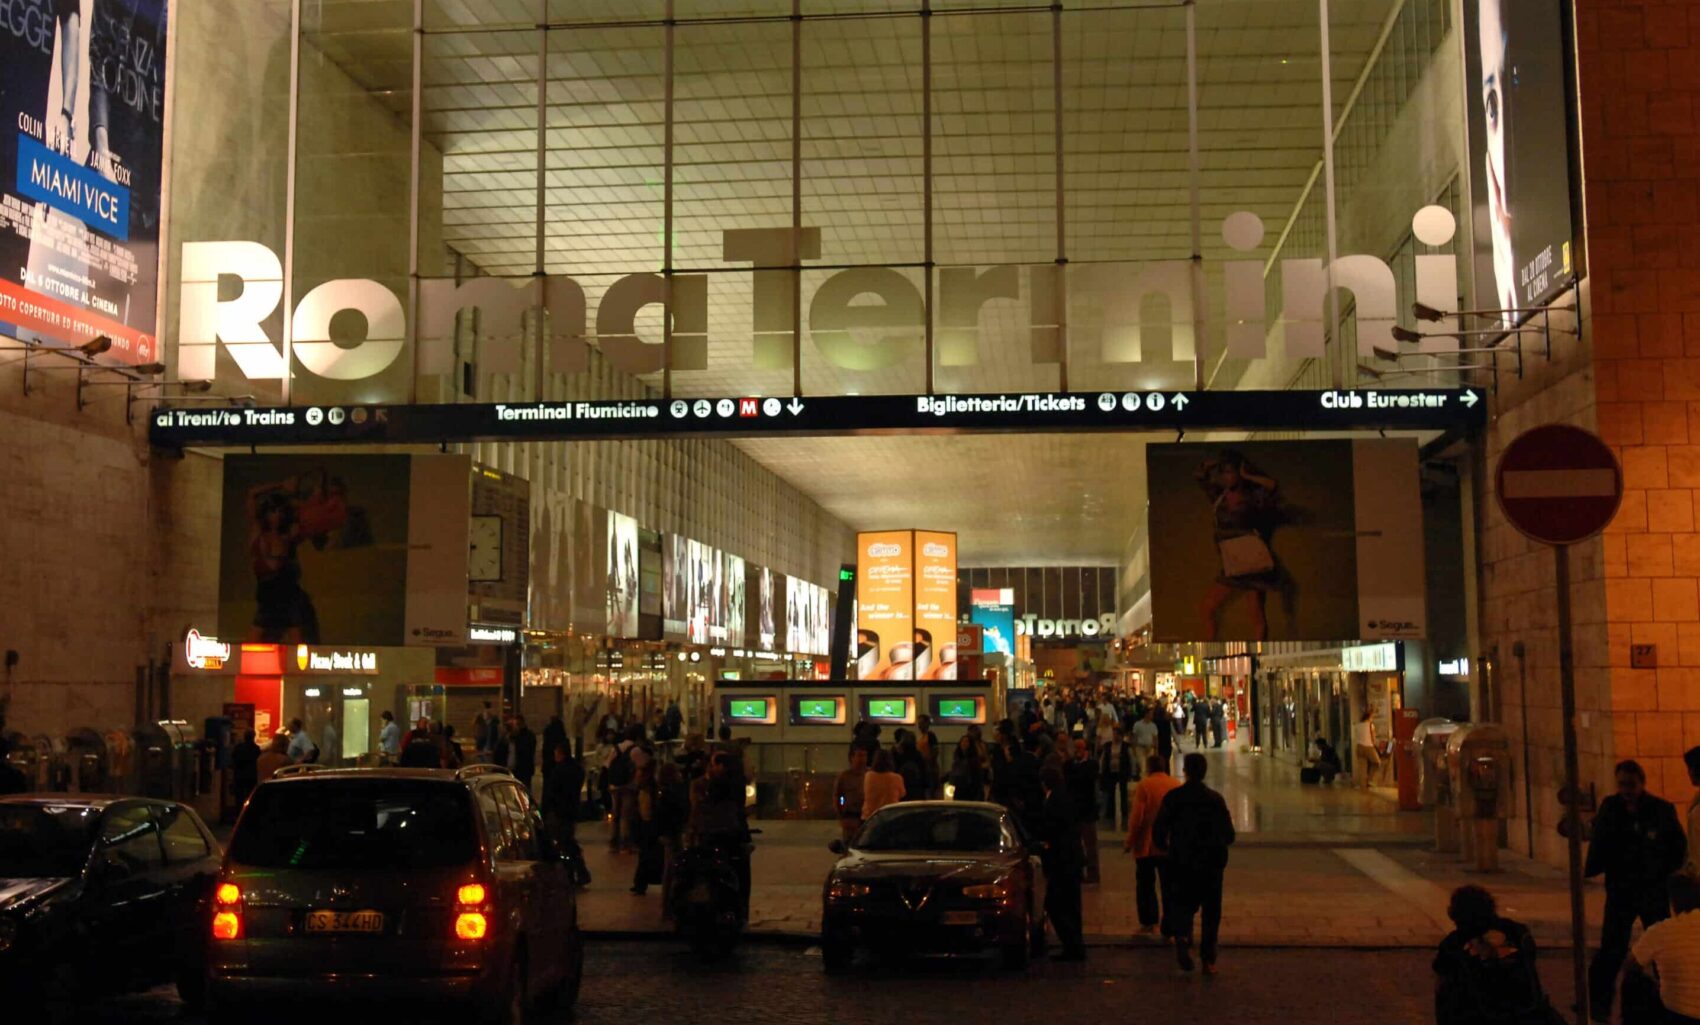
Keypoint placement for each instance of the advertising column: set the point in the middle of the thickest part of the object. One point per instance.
(82, 91)
(885, 598)
(935, 606)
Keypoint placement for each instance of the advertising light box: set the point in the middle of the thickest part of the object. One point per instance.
(885, 605)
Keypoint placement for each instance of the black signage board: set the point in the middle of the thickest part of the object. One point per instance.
(1366, 409)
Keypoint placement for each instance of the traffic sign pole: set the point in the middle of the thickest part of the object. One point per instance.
(1559, 485)
(1572, 785)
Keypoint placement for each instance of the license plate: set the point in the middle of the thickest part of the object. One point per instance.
(960, 918)
(345, 921)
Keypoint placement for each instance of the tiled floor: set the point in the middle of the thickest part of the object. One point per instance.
(1315, 866)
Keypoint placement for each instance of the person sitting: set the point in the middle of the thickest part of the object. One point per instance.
(1662, 975)
(1327, 760)
(1485, 968)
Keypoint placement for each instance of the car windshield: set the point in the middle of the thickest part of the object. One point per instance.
(348, 823)
(931, 829)
(45, 840)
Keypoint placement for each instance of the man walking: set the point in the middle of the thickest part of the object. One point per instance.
(1081, 774)
(1164, 720)
(847, 793)
(1200, 724)
(1638, 842)
(1150, 863)
(1064, 862)
(1144, 739)
(1193, 826)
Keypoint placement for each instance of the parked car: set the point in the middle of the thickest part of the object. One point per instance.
(394, 885)
(102, 894)
(935, 877)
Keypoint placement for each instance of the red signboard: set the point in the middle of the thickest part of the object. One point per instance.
(1559, 484)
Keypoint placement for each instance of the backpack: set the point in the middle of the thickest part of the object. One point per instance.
(620, 770)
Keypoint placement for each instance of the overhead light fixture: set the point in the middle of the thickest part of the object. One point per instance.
(1390, 355)
(96, 345)
(149, 369)
(1405, 334)
(1423, 311)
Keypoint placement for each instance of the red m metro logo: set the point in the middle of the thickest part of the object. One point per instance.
(749, 407)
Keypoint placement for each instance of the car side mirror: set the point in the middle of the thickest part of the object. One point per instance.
(837, 847)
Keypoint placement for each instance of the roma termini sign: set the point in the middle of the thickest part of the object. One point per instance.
(858, 319)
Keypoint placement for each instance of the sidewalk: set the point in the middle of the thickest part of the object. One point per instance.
(1314, 867)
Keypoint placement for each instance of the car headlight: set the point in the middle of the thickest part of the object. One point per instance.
(844, 889)
(987, 891)
(8, 933)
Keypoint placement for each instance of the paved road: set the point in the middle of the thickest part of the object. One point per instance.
(656, 981)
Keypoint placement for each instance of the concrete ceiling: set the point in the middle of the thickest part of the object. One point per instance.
(1020, 500)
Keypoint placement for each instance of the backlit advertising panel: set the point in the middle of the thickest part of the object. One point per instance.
(622, 575)
(82, 94)
(935, 606)
(701, 602)
(997, 628)
(735, 591)
(675, 586)
(767, 609)
(885, 599)
(1515, 82)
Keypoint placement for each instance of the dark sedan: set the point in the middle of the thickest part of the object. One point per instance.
(101, 894)
(935, 877)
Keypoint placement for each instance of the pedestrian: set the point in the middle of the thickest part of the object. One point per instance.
(1150, 861)
(1661, 980)
(1691, 760)
(1015, 776)
(1194, 827)
(620, 776)
(1144, 738)
(968, 770)
(1064, 862)
(906, 758)
(554, 732)
(1164, 720)
(275, 757)
(1200, 723)
(1637, 843)
(244, 768)
(1364, 749)
(927, 745)
(1115, 769)
(1327, 760)
(389, 739)
(423, 751)
(847, 793)
(453, 757)
(882, 785)
(673, 811)
(672, 720)
(645, 817)
(1081, 773)
(1485, 968)
(562, 785)
(493, 732)
(302, 749)
(1218, 721)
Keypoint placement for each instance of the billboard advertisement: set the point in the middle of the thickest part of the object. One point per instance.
(82, 91)
(997, 628)
(885, 600)
(1286, 541)
(1519, 151)
(735, 584)
(675, 586)
(935, 606)
(767, 608)
(590, 547)
(335, 549)
(621, 565)
(808, 618)
(550, 580)
(704, 569)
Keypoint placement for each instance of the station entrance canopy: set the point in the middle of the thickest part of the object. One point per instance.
(1439, 409)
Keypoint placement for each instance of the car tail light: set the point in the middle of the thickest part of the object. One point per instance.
(471, 893)
(227, 919)
(471, 925)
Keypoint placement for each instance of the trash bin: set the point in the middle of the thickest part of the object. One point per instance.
(184, 759)
(1478, 767)
(86, 757)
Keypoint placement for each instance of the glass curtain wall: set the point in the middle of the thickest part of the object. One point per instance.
(731, 197)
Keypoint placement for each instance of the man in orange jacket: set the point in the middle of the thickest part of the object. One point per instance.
(1151, 862)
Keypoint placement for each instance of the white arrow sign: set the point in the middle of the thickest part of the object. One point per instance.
(1469, 400)
(796, 406)
(1181, 400)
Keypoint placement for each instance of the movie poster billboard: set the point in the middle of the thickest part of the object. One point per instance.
(1516, 89)
(997, 628)
(82, 94)
(550, 580)
(590, 548)
(706, 569)
(767, 610)
(935, 605)
(336, 549)
(675, 586)
(1286, 541)
(885, 596)
(735, 585)
(621, 565)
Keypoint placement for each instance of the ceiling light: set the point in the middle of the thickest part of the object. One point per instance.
(1423, 311)
(96, 345)
(1390, 355)
(1405, 334)
(149, 369)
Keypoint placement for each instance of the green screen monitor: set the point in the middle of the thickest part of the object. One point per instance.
(958, 708)
(887, 708)
(817, 708)
(747, 708)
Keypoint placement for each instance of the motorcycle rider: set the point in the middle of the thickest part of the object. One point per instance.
(718, 821)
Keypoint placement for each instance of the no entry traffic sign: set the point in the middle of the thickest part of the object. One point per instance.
(1559, 484)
